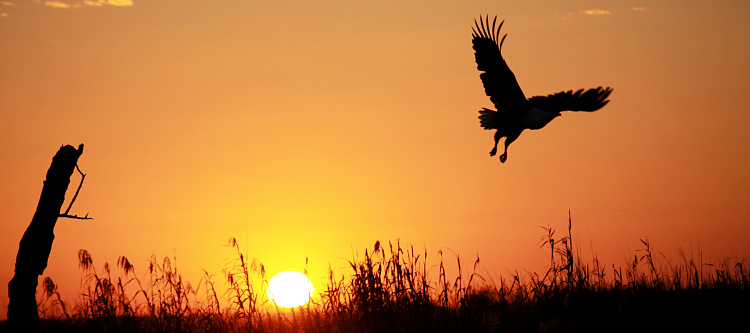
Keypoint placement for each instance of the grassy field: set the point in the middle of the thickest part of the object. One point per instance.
(389, 291)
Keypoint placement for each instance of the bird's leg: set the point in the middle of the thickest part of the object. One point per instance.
(497, 139)
(508, 141)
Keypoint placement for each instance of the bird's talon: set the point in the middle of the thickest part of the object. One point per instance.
(503, 157)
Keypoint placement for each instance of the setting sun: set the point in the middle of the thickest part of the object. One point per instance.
(290, 289)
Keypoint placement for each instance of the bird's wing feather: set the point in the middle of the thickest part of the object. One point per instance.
(499, 82)
(591, 100)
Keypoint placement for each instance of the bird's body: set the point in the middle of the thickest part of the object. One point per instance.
(514, 112)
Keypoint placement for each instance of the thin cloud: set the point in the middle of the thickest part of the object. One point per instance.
(57, 4)
(7, 3)
(4, 14)
(120, 2)
(638, 8)
(86, 3)
(100, 3)
(595, 12)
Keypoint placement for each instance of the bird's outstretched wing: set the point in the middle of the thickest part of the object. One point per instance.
(591, 100)
(499, 82)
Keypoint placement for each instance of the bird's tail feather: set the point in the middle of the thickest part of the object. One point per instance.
(485, 118)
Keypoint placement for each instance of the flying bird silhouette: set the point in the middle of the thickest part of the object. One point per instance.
(514, 112)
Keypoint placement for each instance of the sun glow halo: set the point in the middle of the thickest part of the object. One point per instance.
(290, 289)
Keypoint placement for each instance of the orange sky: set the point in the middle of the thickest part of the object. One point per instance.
(310, 130)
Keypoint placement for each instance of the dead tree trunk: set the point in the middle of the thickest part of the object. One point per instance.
(36, 243)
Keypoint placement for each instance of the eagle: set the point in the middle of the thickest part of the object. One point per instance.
(515, 112)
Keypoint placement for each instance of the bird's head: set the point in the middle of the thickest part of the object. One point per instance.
(549, 116)
(536, 118)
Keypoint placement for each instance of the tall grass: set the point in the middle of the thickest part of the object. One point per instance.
(394, 289)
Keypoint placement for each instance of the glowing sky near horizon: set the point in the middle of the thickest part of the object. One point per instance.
(313, 129)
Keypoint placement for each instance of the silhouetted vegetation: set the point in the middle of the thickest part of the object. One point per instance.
(390, 290)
